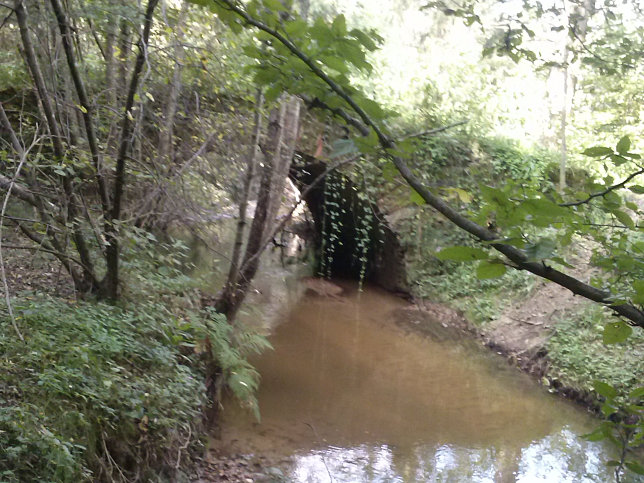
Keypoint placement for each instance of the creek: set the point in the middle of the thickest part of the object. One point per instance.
(349, 395)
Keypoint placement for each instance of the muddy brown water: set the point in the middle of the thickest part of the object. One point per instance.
(347, 395)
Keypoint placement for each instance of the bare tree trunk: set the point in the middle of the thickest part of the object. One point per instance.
(123, 56)
(111, 282)
(282, 135)
(110, 60)
(233, 272)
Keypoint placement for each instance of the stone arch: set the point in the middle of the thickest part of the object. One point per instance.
(385, 264)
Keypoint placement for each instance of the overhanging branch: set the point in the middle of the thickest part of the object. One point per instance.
(604, 192)
(515, 255)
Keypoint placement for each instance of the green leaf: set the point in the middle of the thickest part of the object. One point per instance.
(296, 27)
(638, 286)
(416, 198)
(596, 435)
(274, 5)
(603, 389)
(364, 39)
(541, 250)
(635, 467)
(618, 160)
(561, 261)
(487, 270)
(637, 392)
(372, 108)
(389, 171)
(336, 63)
(461, 254)
(623, 145)
(616, 332)
(624, 219)
(637, 189)
(339, 26)
(597, 151)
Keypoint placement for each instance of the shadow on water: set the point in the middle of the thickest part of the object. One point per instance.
(347, 395)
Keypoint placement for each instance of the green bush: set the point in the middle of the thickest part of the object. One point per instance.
(578, 355)
(95, 391)
(510, 160)
(117, 393)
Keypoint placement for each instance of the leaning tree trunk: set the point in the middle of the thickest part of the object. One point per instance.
(281, 138)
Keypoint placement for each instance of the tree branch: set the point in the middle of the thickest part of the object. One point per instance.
(605, 192)
(601, 59)
(338, 112)
(433, 131)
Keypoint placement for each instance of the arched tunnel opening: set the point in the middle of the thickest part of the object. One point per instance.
(352, 239)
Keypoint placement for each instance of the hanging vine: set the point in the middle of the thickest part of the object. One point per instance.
(332, 212)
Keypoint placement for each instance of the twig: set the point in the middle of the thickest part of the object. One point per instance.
(6, 19)
(605, 192)
(111, 460)
(42, 249)
(182, 448)
(433, 131)
(601, 59)
(7, 295)
(30, 220)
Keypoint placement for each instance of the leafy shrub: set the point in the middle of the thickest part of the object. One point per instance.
(96, 391)
(510, 160)
(435, 153)
(107, 393)
(229, 347)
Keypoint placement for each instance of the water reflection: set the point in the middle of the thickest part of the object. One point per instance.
(561, 457)
(352, 397)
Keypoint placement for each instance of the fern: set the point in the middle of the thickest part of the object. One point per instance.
(230, 348)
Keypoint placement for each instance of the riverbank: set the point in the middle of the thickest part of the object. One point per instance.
(539, 334)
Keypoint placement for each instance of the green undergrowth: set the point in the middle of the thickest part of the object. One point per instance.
(453, 283)
(99, 392)
(578, 355)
